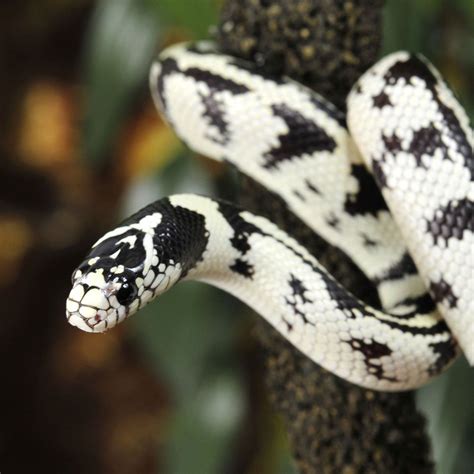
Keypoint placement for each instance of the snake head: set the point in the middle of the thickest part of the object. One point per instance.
(124, 270)
(103, 294)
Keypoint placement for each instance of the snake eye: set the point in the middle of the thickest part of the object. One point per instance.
(126, 294)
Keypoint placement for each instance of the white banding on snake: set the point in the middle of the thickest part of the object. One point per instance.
(295, 143)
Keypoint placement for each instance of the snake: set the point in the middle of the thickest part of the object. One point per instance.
(389, 183)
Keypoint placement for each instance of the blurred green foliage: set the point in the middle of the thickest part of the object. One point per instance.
(194, 16)
(191, 335)
(190, 345)
(441, 30)
(123, 36)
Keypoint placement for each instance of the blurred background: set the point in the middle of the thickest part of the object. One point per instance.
(176, 390)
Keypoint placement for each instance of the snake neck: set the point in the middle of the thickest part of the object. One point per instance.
(252, 259)
(245, 255)
(214, 239)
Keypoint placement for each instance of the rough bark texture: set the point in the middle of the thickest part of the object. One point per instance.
(323, 43)
(333, 426)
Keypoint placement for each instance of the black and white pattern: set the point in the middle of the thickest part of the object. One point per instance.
(295, 143)
(287, 286)
(420, 146)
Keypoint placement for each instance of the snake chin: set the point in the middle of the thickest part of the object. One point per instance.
(95, 307)
(100, 297)
(95, 321)
(100, 322)
(75, 319)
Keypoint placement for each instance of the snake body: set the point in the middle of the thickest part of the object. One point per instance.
(296, 144)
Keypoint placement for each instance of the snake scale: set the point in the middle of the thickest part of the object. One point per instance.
(390, 185)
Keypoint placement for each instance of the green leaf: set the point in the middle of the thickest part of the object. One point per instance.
(121, 41)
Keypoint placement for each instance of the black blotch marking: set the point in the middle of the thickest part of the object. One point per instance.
(426, 141)
(393, 143)
(446, 352)
(304, 137)
(312, 187)
(371, 351)
(299, 195)
(168, 67)
(242, 229)
(215, 82)
(381, 100)
(260, 70)
(298, 297)
(242, 232)
(333, 221)
(414, 66)
(214, 111)
(129, 257)
(442, 291)
(452, 220)
(243, 268)
(423, 304)
(298, 288)
(367, 199)
(181, 236)
(368, 242)
(345, 301)
(405, 266)
(438, 328)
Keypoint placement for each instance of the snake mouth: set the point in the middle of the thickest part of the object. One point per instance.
(96, 324)
(92, 306)
(96, 321)
(75, 319)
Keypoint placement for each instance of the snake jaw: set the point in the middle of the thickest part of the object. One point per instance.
(93, 306)
(101, 321)
(75, 319)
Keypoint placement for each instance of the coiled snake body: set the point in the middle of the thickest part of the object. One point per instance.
(414, 137)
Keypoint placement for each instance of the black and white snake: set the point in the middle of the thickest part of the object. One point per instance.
(405, 126)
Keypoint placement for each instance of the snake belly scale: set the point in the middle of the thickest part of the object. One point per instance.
(296, 144)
